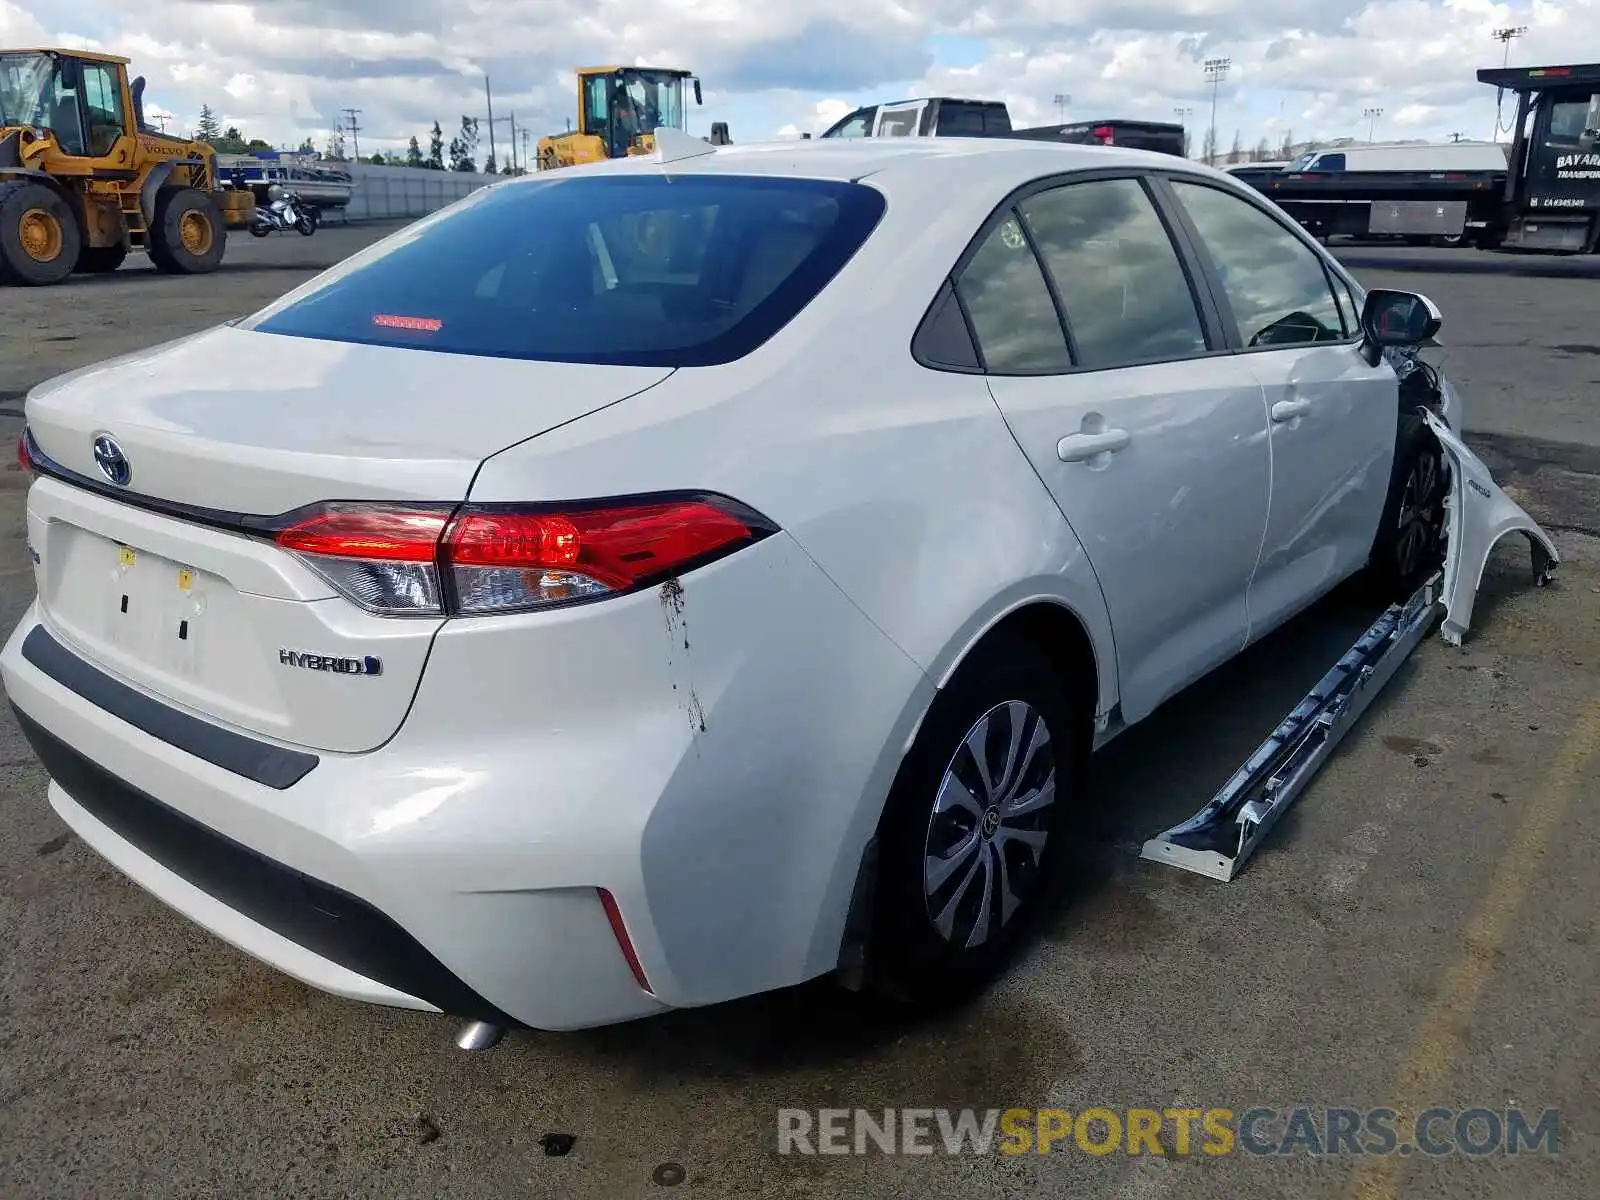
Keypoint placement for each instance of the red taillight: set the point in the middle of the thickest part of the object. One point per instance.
(358, 531)
(405, 560)
(613, 546)
(1104, 134)
(24, 459)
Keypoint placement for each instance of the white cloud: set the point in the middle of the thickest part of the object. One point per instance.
(283, 69)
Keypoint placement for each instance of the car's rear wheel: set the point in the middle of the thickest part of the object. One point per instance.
(971, 835)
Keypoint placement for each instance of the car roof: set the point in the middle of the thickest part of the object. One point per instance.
(858, 158)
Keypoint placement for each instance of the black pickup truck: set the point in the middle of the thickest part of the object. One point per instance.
(948, 116)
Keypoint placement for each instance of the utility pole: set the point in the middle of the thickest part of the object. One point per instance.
(1216, 70)
(524, 133)
(1062, 100)
(1371, 115)
(489, 101)
(161, 119)
(350, 124)
(1183, 114)
(513, 119)
(1504, 36)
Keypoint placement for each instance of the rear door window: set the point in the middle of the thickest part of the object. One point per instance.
(1121, 283)
(1008, 302)
(644, 270)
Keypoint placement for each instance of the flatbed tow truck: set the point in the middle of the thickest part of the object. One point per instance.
(1547, 199)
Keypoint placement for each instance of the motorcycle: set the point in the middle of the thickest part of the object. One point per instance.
(285, 210)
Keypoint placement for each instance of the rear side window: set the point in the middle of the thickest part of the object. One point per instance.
(643, 270)
(1009, 304)
(961, 120)
(1126, 296)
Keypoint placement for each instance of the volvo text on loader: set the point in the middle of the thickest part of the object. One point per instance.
(83, 179)
(619, 110)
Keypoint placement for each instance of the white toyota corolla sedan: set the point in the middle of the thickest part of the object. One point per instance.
(643, 585)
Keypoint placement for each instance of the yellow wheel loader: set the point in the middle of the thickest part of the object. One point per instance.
(83, 179)
(619, 110)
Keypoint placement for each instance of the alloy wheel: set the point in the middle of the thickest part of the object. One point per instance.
(1421, 519)
(989, 825)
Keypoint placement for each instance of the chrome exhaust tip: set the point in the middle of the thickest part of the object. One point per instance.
(479, 1035)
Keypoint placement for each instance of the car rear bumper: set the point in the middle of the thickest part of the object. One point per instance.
(722, 794)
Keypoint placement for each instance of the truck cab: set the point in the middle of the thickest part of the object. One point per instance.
(1551, 199)
(933, 116)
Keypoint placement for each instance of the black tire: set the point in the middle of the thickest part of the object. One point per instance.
(181, 212)
(910, 960)
(259, 230)
(39, 235)
(306, 226)
(100, 260)
(1409, 545)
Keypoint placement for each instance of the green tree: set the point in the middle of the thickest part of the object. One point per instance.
(230, 142)
(307, 148)
(489, 167)
(507, 169)
(378, 160)
(436, 149)
(209, 129)
(414, 154)
(464, 147)
(256, 144)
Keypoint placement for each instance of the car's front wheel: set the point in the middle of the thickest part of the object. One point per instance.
(972, 832)
(1409, 546)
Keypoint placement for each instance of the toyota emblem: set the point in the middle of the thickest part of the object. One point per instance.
(112, 461)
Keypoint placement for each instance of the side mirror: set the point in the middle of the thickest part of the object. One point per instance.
(1394, 318)
(697, 99)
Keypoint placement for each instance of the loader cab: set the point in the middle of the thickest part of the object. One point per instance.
(81, 99)
(621, 105)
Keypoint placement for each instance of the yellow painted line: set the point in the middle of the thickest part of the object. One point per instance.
(1440, 1033)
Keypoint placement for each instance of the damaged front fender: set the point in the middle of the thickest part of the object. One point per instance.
(1477, 515)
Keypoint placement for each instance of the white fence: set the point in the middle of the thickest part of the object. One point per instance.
(382, 193)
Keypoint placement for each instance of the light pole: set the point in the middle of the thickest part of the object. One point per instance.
(1062, 100)
(1216, 70)
(1371, 116)
(1183, 114)
(1505, 36)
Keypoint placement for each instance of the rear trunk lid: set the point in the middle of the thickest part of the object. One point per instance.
(153, 577)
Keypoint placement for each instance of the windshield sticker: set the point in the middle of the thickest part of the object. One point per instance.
(420, 324)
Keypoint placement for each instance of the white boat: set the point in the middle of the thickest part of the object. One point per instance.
(324, 185)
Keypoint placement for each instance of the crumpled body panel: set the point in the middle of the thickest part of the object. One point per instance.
(1477, 515)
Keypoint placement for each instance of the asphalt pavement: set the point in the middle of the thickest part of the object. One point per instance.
(1419, 932)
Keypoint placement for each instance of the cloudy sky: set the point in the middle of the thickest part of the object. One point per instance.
(282, 70)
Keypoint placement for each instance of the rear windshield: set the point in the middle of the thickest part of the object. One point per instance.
(643, 270)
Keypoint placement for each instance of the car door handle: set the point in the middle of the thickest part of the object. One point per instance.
(1079, 447)
(1288, 410)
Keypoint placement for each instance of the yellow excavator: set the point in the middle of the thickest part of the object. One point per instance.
(84, 180)
(619, 110)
